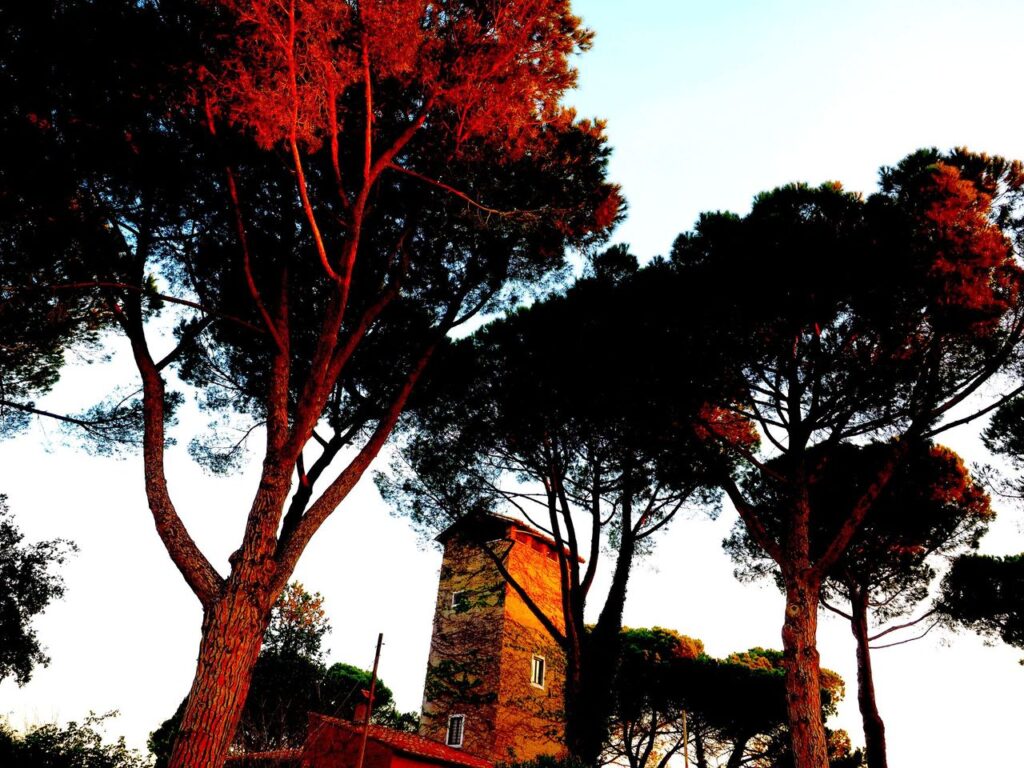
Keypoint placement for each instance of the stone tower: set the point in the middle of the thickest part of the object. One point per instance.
(495, 677)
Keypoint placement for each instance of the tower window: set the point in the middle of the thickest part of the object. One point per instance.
(455, 727)
(537, 671)
(460, 601)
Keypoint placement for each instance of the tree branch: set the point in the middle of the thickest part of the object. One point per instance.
(197, 571)
(898, 627)
(908, 640)
(290, 550)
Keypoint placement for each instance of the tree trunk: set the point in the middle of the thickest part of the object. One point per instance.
(232, 635)
(586, 727)
(801, 661)
(874, 728)
(736, 756)
(588, 707)
(698, 749)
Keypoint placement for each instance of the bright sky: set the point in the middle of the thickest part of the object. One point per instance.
(707, 104)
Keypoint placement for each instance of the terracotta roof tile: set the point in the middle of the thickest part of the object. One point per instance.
(271, 757)
(413, 744)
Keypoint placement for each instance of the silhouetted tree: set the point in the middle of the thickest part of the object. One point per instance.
(552, 415)
(734, 708)
(27, 586)
(986, 594)
(318, 192)
(76, 745)
(853, 319)
(930, 507)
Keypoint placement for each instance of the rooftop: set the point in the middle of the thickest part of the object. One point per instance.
(410, 743)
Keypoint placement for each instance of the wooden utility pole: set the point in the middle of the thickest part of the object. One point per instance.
(369, 704)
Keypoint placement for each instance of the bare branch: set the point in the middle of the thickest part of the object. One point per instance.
(908, 640)
(898, 627)
(836, 610)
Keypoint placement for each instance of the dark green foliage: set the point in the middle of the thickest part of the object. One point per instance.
(86, 88)
(986, 594)
(566, 413)
(849, 321)
(298, 625)
(27, 586)
(546, 761)
(735, 707)
(559, 382)
(73, 746)
(812, 262)
(931, 506)
(1004, 435)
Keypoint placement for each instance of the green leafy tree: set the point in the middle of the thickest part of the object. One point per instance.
(931, 507)
(646, 728)
(983, 592)
(298, 624)
(538, 416)
(77, 745)
(854, 319)
(671, 697)
(27, 585)
(314, 195)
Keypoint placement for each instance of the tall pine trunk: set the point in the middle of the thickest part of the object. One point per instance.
(232, 636)
(233, 627)
(803, 678)
(589, 705)
(874, 728)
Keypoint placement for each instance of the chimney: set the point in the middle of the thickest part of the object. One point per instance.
(362, 711)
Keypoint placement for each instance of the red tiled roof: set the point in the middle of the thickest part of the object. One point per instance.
(412, 744)
(274, 756)
(512, 522)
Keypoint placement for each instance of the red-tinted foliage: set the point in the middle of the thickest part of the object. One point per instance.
(487, 70)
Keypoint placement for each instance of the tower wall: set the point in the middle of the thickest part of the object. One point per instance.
(484, 644)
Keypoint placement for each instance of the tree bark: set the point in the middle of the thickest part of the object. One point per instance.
(801, 661)
(232, 635)
(874, 728)
(588, 707)
(233, 627)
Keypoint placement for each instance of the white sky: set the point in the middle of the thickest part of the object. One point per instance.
(707, 104)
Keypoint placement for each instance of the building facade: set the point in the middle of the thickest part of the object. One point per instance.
(495, 677)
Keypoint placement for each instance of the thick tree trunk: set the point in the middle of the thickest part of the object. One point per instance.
(803, 684)
(874, 728)
(588, 707)
(232, 635)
